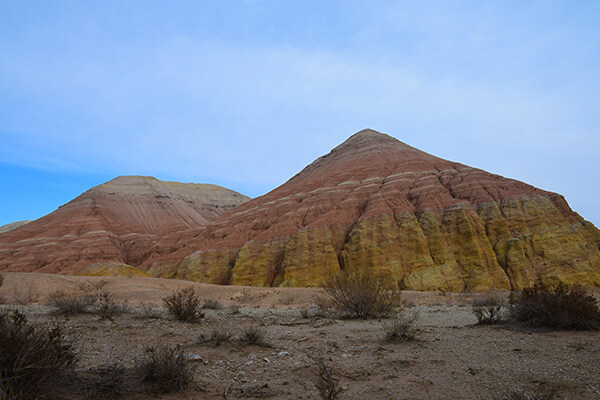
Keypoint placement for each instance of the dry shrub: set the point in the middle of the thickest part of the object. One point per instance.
(65, 303)
(401, 329)
(106, 307)
(212, 304)
(327, 384)
(363, 294)
(108, 381)
(254, 335)
(98, 302)
(25, 295)
(184, 305)
(555, 307)
(219, 334)
(488, 308)
(33, 360)
(164, 369)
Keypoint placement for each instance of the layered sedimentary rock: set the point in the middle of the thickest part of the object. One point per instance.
(374, 202)
(11, 226)
(116, 221)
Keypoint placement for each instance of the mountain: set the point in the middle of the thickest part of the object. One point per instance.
(113, 222)
(378, 203)
(11, 226)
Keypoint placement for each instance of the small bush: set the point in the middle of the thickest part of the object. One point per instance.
(212, 304)
(326, 383)
(33, 360)
(363, 294)
(106, 307)
(108, 381)
(184, 305)
(25, 295)
(164, 369)
(219, 334)
(401, 329)
(254, 335)
(70, 303)
(488, 308)
(558, 307)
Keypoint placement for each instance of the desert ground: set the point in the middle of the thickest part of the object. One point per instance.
(451, 357)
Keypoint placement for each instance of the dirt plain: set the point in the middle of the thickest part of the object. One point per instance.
(451, 358)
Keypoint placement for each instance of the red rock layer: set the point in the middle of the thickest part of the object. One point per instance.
(116, 221)
(451, 225)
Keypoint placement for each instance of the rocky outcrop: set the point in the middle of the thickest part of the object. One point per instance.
(378, 203)
(117, 221)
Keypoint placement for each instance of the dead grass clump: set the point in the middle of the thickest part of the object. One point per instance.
(106, 307)
(488, 308)
(64, 303)
(164, 369)
(254, 335)
(107, 381)
(219, 334)
(184, 305)
(327, 384)
(557, 307)
(212, 304)
(401, 329)
(25, 295)
(363, 294)
(33, 360)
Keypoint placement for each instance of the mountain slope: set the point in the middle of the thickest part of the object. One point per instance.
(115, 221)
(12, 225)
(376, 202)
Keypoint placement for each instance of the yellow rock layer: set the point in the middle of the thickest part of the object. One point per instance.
(507, 245)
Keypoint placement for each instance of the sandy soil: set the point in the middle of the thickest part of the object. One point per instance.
(452, 358)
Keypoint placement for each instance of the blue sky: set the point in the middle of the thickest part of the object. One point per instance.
(246, 93)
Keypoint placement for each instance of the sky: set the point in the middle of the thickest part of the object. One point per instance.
(245, 93)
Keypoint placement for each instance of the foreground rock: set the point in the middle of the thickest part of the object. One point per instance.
(117, 221)
(376, 202)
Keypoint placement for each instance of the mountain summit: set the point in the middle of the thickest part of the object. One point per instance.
(377, 203)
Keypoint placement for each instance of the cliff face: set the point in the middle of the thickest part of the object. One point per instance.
(373, 201)
(116, 221)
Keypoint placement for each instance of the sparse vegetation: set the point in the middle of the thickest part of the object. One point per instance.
(106, 307)
(488, 308)
(254, 335)
(219, 334)
(212, 304)
(64, 303)
(33, 360)
(86, 301)
(363, 294)
(184, 305)
(164, 369)
(25, 295)
(555, 307)
(401, 329)
(326, 382)
(108, 381)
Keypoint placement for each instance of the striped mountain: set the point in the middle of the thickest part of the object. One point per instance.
(113, 224)
(374, 202)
